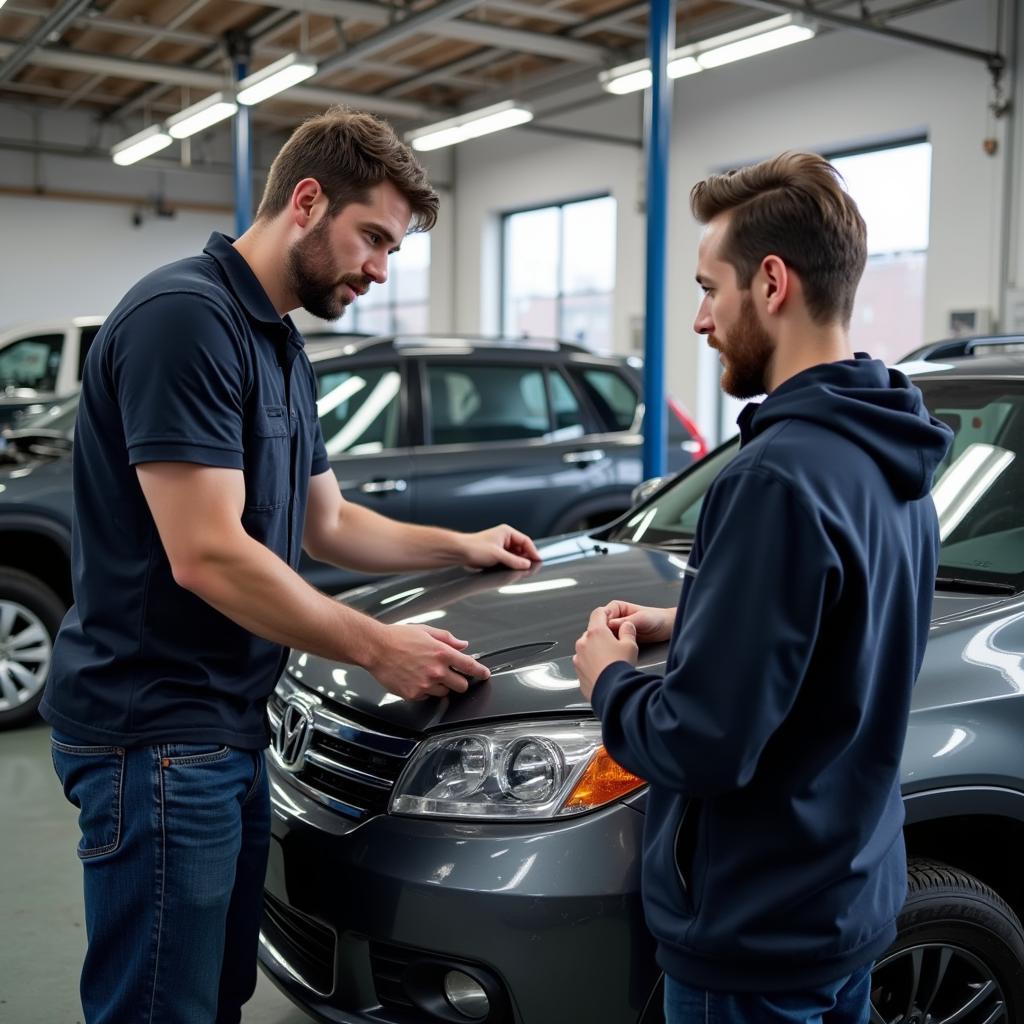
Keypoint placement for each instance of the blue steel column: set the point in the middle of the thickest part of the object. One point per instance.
(243, 155)
(659, 129)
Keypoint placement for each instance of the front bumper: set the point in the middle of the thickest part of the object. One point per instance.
(359, 914)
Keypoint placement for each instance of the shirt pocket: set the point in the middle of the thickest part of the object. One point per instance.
(268, 459)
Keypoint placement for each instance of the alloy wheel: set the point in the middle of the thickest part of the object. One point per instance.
(25, 650)
(936, 983)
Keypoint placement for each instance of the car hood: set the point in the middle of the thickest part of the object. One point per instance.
(36, 480)
(524, 626)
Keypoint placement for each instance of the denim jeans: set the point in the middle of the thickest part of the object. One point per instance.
(846, 1001)
(174, 851)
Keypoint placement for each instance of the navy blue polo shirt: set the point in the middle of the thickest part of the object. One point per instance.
(194, 365)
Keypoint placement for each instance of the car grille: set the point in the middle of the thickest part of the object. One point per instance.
(304, 944)
(348, 765)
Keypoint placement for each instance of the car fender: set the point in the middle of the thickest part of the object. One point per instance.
(29, 522)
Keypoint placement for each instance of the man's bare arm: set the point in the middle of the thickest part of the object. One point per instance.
(198, 513)
(346, 534)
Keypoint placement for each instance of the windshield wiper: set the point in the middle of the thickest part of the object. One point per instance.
(958, 584)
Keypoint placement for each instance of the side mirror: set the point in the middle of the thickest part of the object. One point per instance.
(643, 491)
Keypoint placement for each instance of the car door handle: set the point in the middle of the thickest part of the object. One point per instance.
(582, 458)
(382, 486)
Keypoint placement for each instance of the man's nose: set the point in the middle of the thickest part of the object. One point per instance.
(703, 324)
(376, 269)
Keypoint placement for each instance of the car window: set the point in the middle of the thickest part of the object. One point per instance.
(359, 409)
(31, 363)
(978, 488)
(86, 338)
(565, 409)
(612, 397)
(470, 404)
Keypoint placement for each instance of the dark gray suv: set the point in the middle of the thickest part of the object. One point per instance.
(478, 858)
(458, 432)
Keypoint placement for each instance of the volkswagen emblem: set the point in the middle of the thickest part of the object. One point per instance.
(294, 732)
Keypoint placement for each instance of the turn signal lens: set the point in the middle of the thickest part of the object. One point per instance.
(603, 781)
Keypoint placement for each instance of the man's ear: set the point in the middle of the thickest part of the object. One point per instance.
(775, 283)
(305, 197)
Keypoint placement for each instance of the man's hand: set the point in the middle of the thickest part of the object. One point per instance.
(500, 545)
(599, 647)
(416, 662)
(650, 625)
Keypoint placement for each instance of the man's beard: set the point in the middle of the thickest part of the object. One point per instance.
(748, 355)
(313, 275)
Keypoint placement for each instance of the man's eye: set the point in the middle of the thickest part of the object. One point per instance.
(374, 238)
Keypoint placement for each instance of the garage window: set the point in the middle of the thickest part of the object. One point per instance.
(558, 272)
(892, 187)
(402, 304)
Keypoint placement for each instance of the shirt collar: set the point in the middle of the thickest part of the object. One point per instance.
(246, 286)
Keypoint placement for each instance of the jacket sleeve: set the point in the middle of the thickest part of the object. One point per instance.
(750, 619)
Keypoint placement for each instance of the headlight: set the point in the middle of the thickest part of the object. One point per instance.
(532, 770)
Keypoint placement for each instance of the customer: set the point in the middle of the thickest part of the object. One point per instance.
(200, 475)
(774, 864)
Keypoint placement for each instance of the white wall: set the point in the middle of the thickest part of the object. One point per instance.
(841, 89)
(68, 259)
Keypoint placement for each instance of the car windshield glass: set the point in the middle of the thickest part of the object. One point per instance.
(978, 489)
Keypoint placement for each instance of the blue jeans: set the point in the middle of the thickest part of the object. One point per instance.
(846, 1001)
(174, 850)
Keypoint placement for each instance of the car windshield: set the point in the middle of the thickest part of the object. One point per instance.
(978, 489)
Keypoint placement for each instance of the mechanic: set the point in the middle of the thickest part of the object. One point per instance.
(200, 475)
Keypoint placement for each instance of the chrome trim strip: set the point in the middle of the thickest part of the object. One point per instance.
(349, 810)
(379, 742)
(321, 760)
(336, 725)
(280, 960)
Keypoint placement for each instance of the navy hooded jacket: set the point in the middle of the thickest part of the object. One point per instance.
(773, 850)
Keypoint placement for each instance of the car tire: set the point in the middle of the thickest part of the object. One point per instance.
(959, 944)
(26, 605)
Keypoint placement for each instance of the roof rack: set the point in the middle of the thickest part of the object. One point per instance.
(952, 348)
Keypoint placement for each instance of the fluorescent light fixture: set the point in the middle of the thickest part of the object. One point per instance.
(137, 147)
(773, 39)
(274, 78)
(712, 53)
(470, 125)
(201, 115)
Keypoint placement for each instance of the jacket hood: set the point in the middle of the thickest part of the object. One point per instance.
(875, 406)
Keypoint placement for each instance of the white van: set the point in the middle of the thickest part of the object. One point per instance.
(40, 362)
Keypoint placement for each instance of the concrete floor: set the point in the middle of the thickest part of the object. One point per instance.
(42, 938)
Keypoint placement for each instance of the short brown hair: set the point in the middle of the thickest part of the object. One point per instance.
(795, 207)
(349, 153)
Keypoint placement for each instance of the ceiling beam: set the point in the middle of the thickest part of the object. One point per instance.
(995, 62)
(395, 33)
(116, 26)
(196, 78)
(544, 44)
(55, 24)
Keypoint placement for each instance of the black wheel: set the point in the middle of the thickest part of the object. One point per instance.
(958, 957)
(30, 615)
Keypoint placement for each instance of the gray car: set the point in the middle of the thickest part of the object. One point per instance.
(458, 432)
(478, 858)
